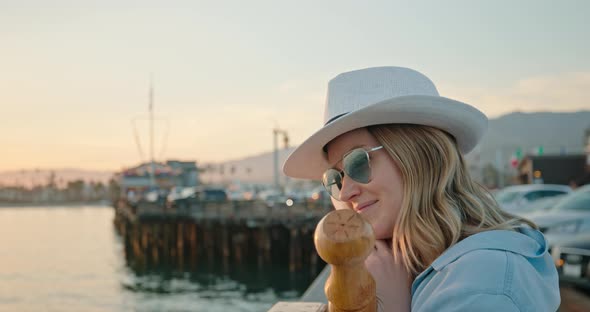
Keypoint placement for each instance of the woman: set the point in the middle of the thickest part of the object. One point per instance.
(391, 149)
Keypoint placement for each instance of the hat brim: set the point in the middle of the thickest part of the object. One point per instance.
(466, 123)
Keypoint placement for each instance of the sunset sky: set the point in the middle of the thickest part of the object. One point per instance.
(74, 75)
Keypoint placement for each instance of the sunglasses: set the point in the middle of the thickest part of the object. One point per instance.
(355, 164)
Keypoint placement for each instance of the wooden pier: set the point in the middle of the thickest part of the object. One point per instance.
(230, 234)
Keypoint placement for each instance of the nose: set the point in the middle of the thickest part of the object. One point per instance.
(350, 189)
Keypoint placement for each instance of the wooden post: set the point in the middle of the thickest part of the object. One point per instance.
(292, 248)
(193, 244)
(225, 247)
(180, 244)
(260, 243)
(167, 252)
(209, 243)
(136, 239)
(144, 237)
(344, 240)
(238, 240)
(155, 245)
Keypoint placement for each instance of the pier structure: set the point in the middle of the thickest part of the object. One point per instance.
(228, 233)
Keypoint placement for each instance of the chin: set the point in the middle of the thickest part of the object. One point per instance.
(381, 233)
(383, 236)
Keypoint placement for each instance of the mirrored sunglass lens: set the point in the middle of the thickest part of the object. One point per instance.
(332, 181)
(356, 166)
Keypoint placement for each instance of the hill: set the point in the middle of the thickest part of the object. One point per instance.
(556, 132)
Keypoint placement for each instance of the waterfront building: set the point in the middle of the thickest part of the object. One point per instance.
(173, 173)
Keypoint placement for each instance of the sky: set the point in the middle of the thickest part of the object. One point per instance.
(75, 75)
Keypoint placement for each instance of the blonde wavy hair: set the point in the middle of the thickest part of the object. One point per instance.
(441, 204)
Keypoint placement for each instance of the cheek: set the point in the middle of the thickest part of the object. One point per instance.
(389, 184)
(383, 227)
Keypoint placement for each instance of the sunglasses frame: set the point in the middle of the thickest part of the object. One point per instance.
(343, 172)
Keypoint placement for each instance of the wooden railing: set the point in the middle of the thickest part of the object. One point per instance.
(344, 240)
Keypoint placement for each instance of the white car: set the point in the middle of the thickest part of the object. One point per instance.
(180, 192)
(543, 204)
(511, 198)
(569, 217)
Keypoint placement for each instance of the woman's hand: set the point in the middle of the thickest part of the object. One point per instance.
(391, 277)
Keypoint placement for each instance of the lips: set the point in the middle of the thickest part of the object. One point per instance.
(365, 205)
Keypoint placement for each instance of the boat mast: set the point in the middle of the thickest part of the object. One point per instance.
(151, 111)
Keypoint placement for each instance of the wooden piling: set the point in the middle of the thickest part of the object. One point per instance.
(224, 248)
(180, 244)
(193, 244)
(155, 244)
(232, 236)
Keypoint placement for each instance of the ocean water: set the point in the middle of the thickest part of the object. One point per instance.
(71, 259)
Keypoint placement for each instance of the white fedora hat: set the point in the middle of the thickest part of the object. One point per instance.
(383, 95)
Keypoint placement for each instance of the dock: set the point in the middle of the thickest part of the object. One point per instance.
(228, 233)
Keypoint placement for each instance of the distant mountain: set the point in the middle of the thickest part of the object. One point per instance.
(32, 177)
(556, 132)
(255, 169)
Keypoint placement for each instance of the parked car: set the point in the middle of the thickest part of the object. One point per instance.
(572, 259)
(540, 205)
(178, 192)
(240, 195)
(511, 198)
(569, 217)
(158, 196)
(276, 200)
(272, 198)
(189, 196)
(211, 194)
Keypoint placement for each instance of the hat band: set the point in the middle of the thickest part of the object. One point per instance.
(334, 118)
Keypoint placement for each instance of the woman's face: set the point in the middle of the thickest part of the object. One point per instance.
(379, 201)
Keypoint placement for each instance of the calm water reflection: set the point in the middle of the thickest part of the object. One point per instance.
(70, 259)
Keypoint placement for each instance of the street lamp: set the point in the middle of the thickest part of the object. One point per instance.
(276, 133)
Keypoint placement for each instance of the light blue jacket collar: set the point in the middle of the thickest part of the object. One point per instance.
(525, 241)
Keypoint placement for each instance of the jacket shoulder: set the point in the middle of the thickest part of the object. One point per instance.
(490, 277)
(483, 270)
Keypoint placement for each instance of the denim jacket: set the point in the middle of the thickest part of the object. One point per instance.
(490, 271)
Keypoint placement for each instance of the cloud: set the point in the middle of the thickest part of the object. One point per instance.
(561, 92)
